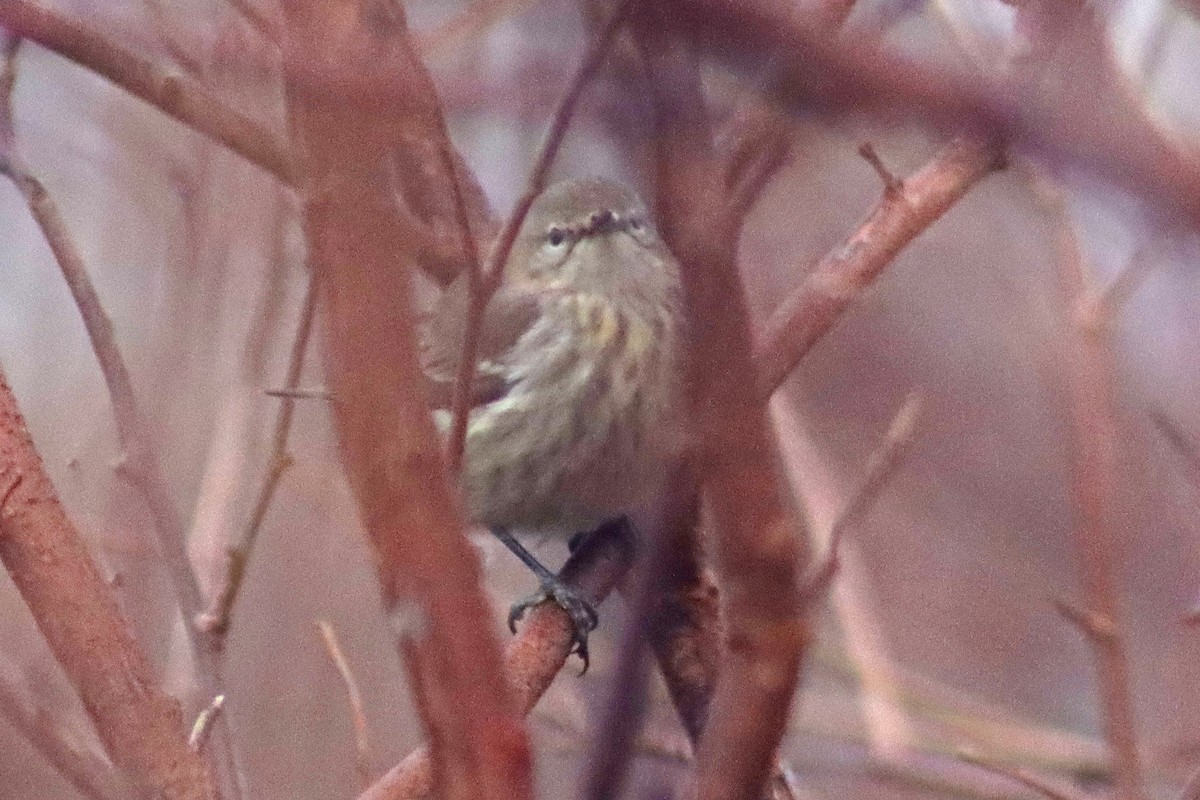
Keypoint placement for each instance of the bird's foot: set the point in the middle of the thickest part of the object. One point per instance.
(583, 616)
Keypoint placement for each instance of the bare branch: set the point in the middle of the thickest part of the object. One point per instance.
(806, 315)
(426, 568)
(91, 776)
(758, 548)
(362, 740)
(75, 609)
(140, 464)
(1096, 482)
(215, 621)
(1110, 134)
(883, 463)
(175, 94)
(534, 656)
(1025, 777)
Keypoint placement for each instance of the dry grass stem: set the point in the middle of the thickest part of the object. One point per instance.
(362, 741)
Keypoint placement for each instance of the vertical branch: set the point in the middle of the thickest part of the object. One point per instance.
(357, 90)
(758, 549)
(140, 725)
(1094, 436)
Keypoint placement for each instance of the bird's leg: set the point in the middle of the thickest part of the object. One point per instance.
(583, 616)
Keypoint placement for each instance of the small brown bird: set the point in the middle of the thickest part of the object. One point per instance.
(576, 402)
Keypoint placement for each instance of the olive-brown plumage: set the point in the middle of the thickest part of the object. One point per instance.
(576, 397)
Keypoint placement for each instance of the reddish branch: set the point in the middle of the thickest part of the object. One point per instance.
(140, 726)
(839, 280)
(1101, 128)
(533, 657)
(428, 573)
(139, 460)
(757, 548)
(175, 94)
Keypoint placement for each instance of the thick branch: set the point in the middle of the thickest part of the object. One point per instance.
(757, 548)
(140, 725)
(428, 573)
(532, 658)
(839, 280)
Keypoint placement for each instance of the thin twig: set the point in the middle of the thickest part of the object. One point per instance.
(140, 465)
(300, 394)
(492, 273)
(891, 184)
(93, 777)
(217, 618)
(362, 740)
(883, 463)
(1096, 495)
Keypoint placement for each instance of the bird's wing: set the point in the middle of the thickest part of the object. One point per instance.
(510, 312)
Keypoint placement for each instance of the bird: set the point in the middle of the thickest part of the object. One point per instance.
(575, 408)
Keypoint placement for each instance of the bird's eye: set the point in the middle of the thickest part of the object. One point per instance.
(556, 236)
(635, 223)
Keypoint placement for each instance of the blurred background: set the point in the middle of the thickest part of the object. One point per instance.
(941, 631)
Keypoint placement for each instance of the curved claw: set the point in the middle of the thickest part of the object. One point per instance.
(583, 617)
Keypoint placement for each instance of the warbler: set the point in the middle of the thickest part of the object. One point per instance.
(577, 399)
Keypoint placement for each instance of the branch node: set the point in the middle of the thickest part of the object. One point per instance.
(892, 186)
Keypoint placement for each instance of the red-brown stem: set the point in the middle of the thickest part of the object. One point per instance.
(429, 575)
(758, 549)
(532, 658)
(75, 609)
(175, 94)
(839, 280)
(1095, 437)
(140, 462)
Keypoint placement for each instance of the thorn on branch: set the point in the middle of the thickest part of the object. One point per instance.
(892, 186)
(1095, 626)
(300, 394)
